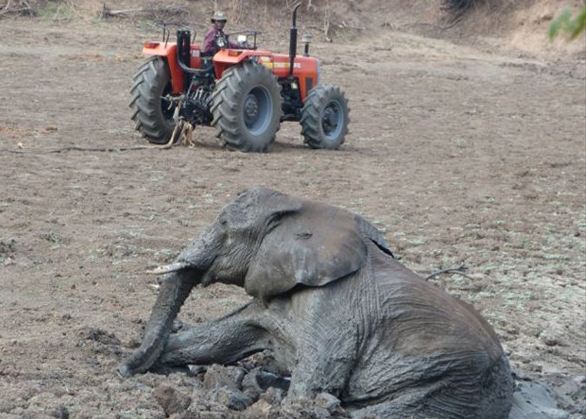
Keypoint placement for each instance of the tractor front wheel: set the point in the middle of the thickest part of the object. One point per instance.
(152, 112)
(324, 118)
(246, 105)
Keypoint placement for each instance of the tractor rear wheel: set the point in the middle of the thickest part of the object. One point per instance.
(151, 111)
(246, 106)
(324, 117)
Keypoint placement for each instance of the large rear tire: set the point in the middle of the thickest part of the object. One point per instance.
(246, 106)
(151, 112)
(325, 117)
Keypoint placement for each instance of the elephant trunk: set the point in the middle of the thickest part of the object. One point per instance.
(172, 294)
(181, 277)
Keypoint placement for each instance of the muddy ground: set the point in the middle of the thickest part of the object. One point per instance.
(462, 156)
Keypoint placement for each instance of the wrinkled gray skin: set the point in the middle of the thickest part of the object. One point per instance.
(336, 310)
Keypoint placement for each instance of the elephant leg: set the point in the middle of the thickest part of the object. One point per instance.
(391, 409)
(222, 341)
(324, 362)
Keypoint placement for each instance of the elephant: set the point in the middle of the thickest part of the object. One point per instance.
(335, 309)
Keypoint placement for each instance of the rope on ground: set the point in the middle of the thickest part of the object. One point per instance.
(89, 149)
(182, 135)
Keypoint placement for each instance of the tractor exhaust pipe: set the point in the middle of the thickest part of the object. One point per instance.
(184, 54)
(184, 57)
(293, 40)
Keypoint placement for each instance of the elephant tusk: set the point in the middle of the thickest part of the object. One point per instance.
(165, 269)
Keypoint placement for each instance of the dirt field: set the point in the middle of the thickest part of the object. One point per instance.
(460, 155)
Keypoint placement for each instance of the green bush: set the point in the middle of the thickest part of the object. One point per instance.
(571, 26)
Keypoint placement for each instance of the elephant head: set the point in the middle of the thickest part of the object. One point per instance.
(266, 242)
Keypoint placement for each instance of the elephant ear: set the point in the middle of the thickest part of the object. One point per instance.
(373, 234)
(311, 247)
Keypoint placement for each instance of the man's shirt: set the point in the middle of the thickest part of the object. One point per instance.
(209, 42)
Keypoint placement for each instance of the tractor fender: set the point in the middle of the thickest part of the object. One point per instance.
(305, 69)
(227, 58)
(168, 50)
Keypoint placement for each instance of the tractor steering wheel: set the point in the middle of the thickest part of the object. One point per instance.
(245, 45)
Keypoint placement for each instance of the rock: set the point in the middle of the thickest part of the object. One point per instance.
(253, 393)
(552, 336)
(259, 410)
(7, 249)
(197, 414)
(324, 405)
(250, 384)
(61, 413)
(273, 396)
(219, 376)
(329, 402)
(301, 409)
(267, 379)
(171, 400)
(259, 380)
(195, 370)
(203, 406)
(231, 398)
(549, 340)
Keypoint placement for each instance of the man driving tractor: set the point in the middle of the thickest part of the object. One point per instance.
(215, 38)
(242, 91)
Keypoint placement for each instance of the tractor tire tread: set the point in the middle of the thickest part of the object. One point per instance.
(317, 99)
(148, 84)
(227, 96)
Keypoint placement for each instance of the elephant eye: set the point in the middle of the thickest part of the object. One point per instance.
(223, 220)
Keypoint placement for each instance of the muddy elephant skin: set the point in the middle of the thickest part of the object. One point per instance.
(336, 311)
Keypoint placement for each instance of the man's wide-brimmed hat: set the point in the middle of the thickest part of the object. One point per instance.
(219, 17)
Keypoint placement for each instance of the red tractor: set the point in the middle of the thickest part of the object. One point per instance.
(244, 93)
